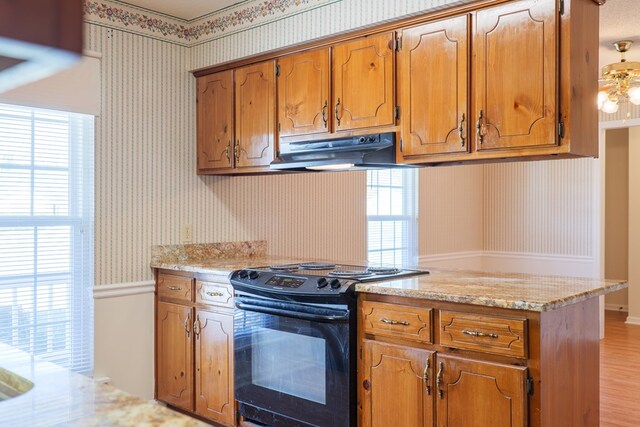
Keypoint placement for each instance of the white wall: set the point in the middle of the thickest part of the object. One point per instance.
(634, 225)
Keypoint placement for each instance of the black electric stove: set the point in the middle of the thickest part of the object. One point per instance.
(295, 342)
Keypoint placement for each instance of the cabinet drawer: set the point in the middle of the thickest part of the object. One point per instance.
(175, 287)
(214, 293)
(398, 321)
(488, 334)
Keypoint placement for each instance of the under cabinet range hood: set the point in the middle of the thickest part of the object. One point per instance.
(376, 151)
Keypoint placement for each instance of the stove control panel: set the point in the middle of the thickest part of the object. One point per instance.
(288, 282)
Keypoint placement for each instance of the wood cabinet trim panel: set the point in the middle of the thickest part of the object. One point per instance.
(433, 82)
(175, 357)
(493, 394)
(518, 40)
(483, 333)
(304, 84)
(397, 321)
(364, 82)
(214, 366)
(211, 293)
(178, 288)
(397, 385)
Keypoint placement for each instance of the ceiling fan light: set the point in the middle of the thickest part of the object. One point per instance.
(610, 107)
(602, 97)
(634, 95)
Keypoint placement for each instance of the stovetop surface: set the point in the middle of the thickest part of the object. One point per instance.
(312, 279)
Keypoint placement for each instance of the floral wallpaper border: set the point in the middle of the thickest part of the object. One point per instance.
(122, 16)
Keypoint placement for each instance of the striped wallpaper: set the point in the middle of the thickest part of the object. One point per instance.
(147, 188)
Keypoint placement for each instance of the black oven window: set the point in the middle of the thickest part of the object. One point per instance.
(289, 363)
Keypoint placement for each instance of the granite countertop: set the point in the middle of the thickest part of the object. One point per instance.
(60, 397)
(504, 290)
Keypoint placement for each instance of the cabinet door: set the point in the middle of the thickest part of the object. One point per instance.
(515, 75)
(364, 80)
(214, 366)
(303, 93)
(215, 120)
(175, 355)
(472, 393)
(433, 80)
(255, 114)
(398, 384)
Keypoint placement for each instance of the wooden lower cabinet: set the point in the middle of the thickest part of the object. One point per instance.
(194, 349)
(174, 356)
(214, 368)
(397, 386)
(473, 393)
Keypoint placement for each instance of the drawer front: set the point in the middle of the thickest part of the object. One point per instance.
(488, 334)
(213, 293)
(398, 321)
(175, 287)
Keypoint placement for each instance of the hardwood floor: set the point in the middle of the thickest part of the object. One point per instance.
(619, 372)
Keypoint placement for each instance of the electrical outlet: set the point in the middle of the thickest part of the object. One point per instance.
(187, 233)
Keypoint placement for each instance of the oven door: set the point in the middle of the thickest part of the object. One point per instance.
(294, 363)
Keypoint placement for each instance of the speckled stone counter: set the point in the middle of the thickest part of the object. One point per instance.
(514, 291)
(63, 398)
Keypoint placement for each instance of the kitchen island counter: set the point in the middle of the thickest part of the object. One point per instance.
(504, 290)
(60, 397)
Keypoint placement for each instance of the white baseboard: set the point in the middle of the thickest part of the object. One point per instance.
(123, 289)
(617, 307)
(632, 320)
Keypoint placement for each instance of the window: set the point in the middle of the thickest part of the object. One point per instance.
(391, 217)
(46, 235)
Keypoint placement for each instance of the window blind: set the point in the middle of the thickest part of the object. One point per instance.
(46, 235)
(391, 217)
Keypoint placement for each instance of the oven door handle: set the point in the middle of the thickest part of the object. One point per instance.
(293, 314)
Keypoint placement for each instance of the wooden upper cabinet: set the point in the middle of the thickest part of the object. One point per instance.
(255, 114)
(175, 355)
(214, 366)
(303, 93)
(473, 393)
(364, 82)
(433, 84)
(398, 386)
(215, 121)
(515, 75)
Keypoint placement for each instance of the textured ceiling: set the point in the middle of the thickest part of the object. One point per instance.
(187, 9)
(619, 19)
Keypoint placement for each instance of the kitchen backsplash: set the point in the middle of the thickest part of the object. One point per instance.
(197, 252)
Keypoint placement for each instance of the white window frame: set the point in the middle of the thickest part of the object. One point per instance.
(78, 353)
(409, 247)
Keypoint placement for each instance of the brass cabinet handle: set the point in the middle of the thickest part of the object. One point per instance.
(461, 130)
(324, 112)
(236, 151)
(394, 322)
(186, 325)
(479, 127)
(214, 294)
(175, 288)
(337, 110)
(439, 380)
(425, 377)
(479, 334)
(226, 151)
(196, 327)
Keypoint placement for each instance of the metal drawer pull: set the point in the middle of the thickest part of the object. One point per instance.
(214, 294)
(197, 328)
(186, 325)
(479, 334)
(425, 377)
(175, 288)
(394, 322)
(439, 380)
